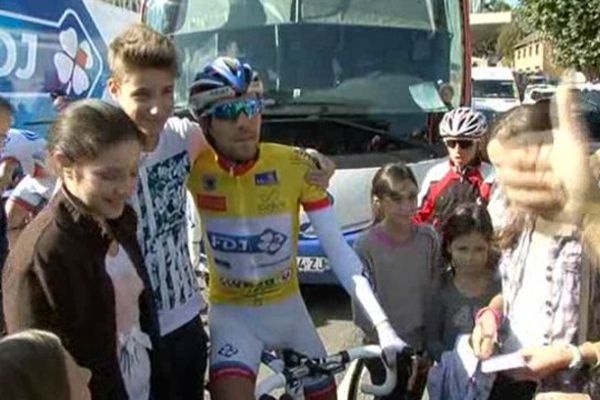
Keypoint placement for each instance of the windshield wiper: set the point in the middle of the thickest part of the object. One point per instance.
(339, 121)
(431, 16)
(323, 105)
(351, 124)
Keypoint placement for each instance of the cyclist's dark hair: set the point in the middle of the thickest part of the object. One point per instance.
(6, 106)
(466, 219)
(383, 180)
(88, 127)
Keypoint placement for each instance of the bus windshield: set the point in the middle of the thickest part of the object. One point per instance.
(379, 61)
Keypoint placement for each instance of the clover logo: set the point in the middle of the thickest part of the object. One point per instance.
(228, 350)
(271, 241)
(72, 62)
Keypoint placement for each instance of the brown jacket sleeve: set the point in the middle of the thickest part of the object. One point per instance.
(49, 287)
(25, 303)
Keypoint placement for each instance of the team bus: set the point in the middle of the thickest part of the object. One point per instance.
(358, 80)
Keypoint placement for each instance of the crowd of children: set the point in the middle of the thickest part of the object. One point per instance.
(104, 269)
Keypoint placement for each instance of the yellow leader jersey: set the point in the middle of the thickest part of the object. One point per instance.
(250, 221)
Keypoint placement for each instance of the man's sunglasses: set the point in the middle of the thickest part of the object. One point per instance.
(462, 143)
(231, 110)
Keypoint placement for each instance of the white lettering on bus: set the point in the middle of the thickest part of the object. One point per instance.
(9, 65)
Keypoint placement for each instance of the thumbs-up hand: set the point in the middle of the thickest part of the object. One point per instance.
(570, 159)
(547, 173)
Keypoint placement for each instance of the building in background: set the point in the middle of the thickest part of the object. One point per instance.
(533, 56)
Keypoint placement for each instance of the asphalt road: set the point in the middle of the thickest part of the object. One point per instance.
(330, 309)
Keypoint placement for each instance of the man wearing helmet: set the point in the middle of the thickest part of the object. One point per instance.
(248, 195)
(464, 177)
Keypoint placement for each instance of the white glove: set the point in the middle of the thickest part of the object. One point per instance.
(389, 342)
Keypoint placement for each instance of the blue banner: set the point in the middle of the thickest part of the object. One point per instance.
(43, 51)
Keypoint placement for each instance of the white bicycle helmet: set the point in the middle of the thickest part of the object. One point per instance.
(463, 122)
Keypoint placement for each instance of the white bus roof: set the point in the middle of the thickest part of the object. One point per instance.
(492, 73)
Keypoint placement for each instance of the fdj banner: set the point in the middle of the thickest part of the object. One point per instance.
(39, 56)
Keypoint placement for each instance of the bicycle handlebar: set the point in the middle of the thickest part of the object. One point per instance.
(373, 351)
(279, 379)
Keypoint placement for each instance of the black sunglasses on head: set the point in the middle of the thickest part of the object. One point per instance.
(462, 143)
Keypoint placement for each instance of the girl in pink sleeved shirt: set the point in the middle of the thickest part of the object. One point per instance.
(402, 262)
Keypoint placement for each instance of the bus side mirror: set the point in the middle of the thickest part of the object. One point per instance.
(165, 17)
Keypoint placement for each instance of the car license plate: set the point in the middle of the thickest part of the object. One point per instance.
(312, 264)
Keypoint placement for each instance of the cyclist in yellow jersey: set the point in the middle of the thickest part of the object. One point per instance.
(249, 195)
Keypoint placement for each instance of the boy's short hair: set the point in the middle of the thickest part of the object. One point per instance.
(6, 107)
(141, 47)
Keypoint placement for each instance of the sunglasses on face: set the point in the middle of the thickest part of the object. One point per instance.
(231, 110)
(462, 143)
(398, 197)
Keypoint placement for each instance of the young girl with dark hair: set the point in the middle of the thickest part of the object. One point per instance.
(77, 269)
(469, 283)
(402, 262)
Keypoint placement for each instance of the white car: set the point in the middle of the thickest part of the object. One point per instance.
(535, 93)
(495, 89)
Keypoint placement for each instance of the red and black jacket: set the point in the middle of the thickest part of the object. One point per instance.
(440, 182)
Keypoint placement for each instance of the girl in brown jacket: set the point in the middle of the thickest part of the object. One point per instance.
(77, 269)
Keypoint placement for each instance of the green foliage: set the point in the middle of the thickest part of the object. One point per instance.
(497, 6)
(509, 36)
(573, 29)
(484, 48)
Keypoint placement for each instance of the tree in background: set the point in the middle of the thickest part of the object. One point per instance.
(485, 48)
(478, 6)
(488, 48)
(497, 6)
(573, 29)
(508, 38)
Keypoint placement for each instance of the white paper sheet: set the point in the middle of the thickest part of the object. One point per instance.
(503, 362)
